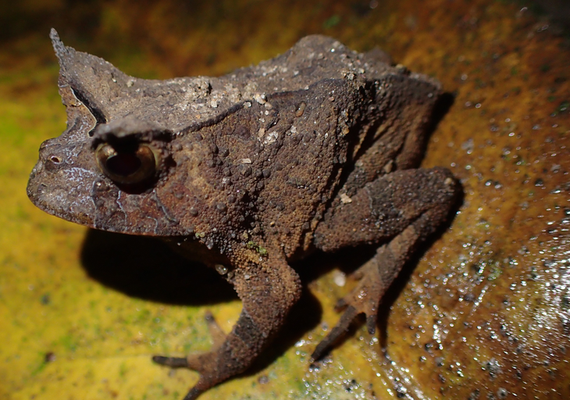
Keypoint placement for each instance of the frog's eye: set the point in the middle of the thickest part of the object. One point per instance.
(128, 166)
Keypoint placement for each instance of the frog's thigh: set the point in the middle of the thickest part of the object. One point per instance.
(387, 206)
(401, 209)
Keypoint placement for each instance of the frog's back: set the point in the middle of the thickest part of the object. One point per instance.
(335, 120)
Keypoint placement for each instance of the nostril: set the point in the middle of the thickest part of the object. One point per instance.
(55, 159)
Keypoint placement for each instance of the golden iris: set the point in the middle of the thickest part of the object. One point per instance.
(128, 167)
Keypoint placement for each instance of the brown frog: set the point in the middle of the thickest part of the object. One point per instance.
(317, 148)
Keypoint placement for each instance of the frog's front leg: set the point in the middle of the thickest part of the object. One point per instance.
(400, 209)
(268, 290)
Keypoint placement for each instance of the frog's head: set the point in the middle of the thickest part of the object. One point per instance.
(113, 167)
(106, 175)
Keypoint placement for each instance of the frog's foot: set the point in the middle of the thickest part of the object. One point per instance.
(204, 363)
(364, 299)
(267, 290)
(196, 361)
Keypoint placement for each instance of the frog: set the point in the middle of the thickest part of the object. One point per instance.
(315, 150)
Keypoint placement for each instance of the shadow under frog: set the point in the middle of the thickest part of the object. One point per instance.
(317, 148)
(150, 269)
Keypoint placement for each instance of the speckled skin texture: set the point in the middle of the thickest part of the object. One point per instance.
(314, 149)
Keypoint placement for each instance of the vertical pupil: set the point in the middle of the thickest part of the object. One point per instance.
(123, 164)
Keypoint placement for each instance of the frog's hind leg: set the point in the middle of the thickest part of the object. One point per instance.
(405, 208)
(376, 275)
